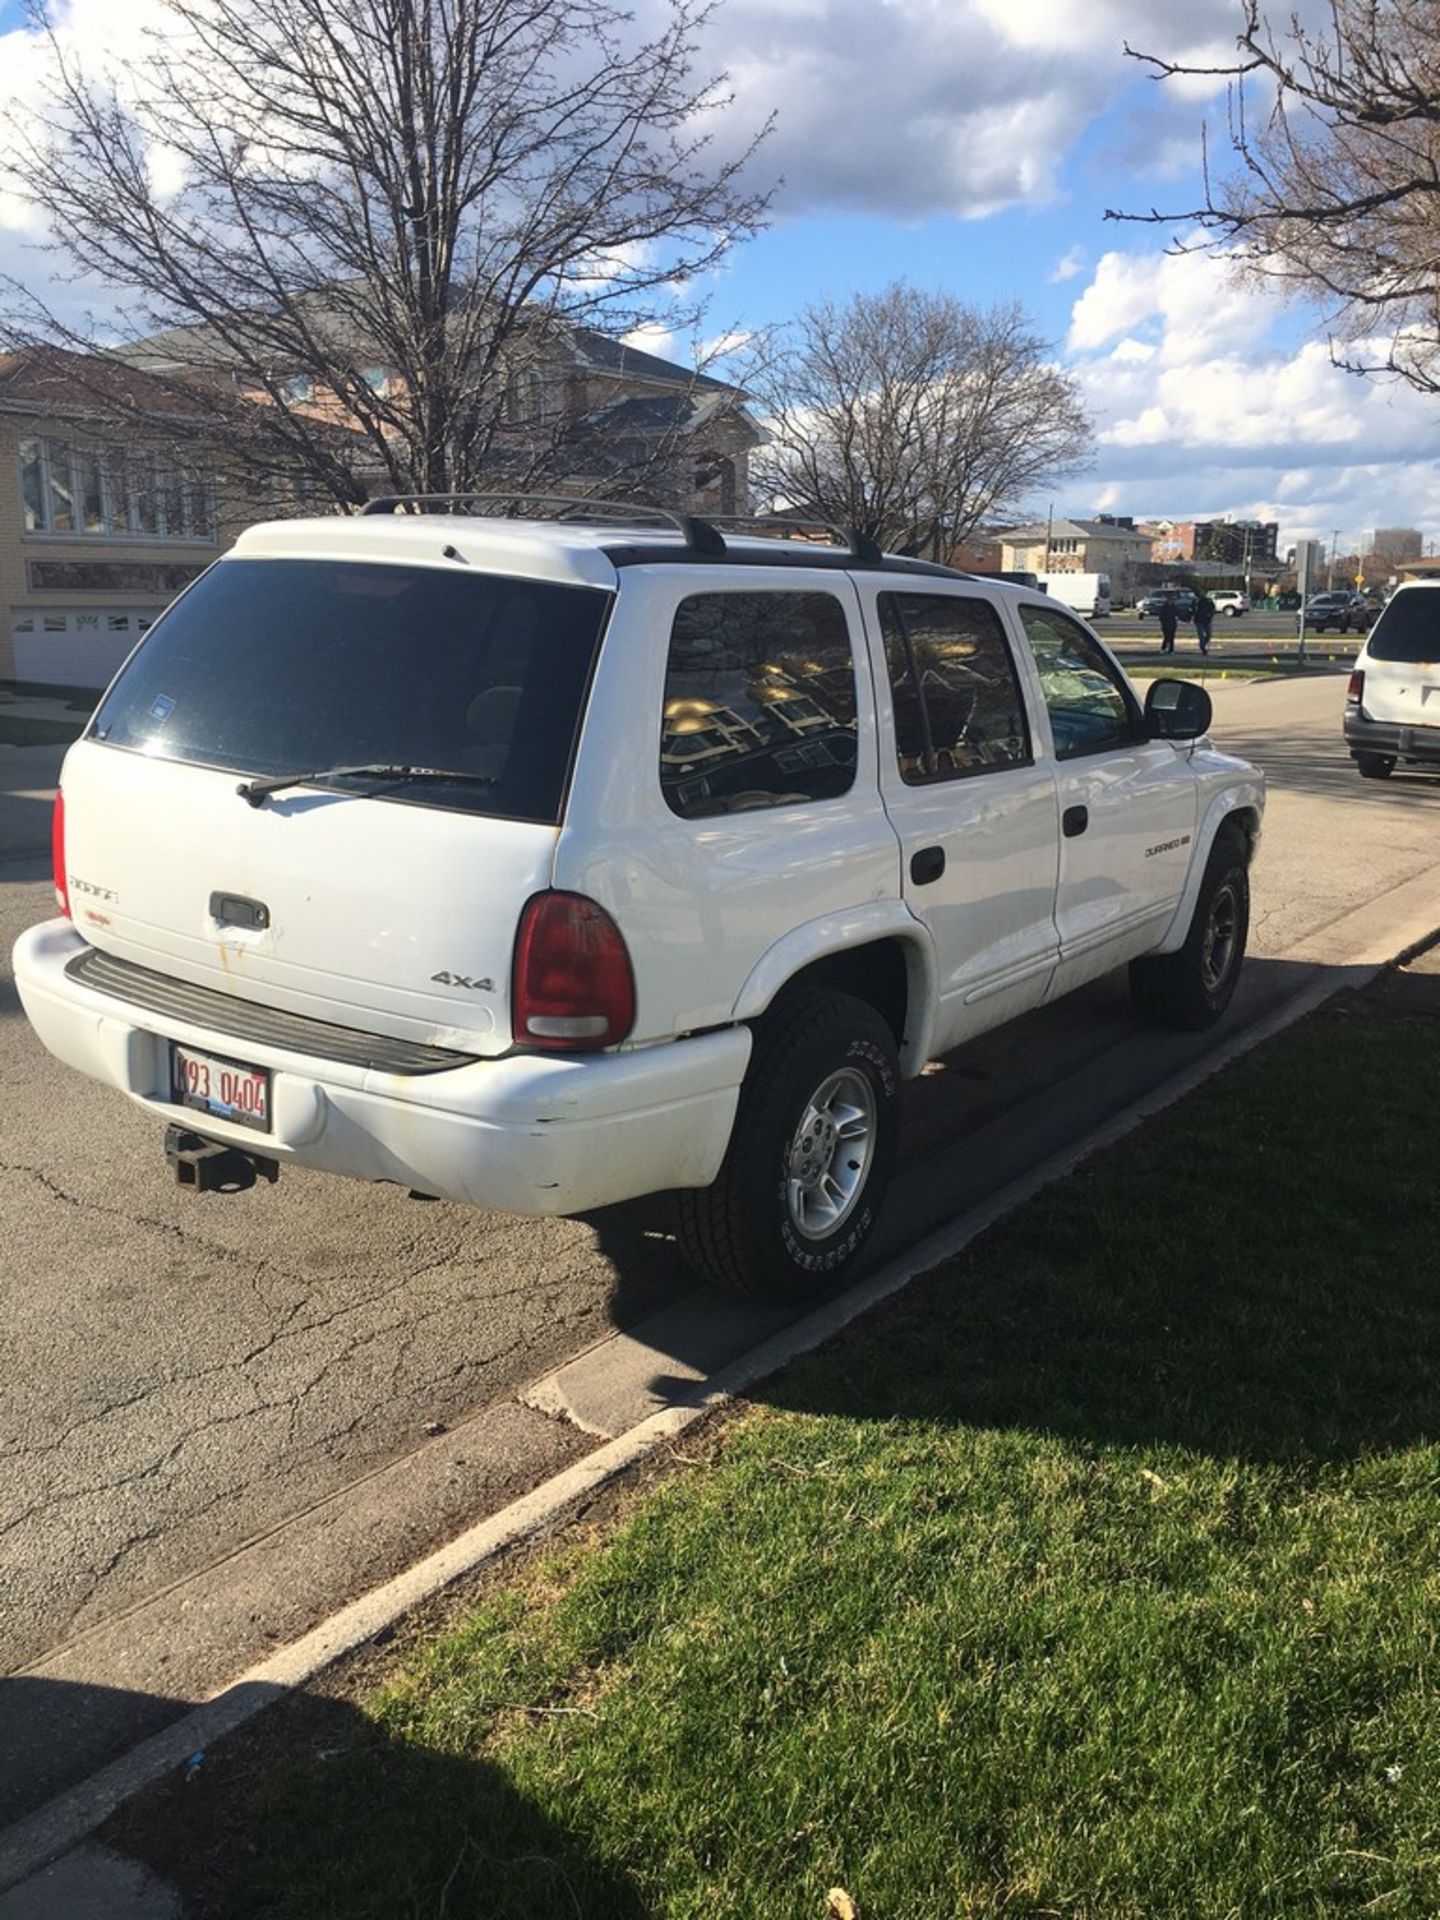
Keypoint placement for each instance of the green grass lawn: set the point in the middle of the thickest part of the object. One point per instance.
(1100, 1576)
(1183, 667)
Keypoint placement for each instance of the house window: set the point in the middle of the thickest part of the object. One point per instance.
(102, 493)
(524, 395)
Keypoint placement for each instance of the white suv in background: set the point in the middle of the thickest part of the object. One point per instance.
(1231, 601)
(540, 864)
(1392, 710)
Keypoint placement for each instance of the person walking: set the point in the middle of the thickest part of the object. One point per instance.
(1167, 626)
(1204, 618)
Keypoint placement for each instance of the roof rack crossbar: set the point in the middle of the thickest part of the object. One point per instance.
(699, 534)
(861, 545)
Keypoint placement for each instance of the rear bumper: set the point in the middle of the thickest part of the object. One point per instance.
(1364, 735)
(526, 1134)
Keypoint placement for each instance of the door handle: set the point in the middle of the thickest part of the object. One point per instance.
(927, 865)
(1074, 820)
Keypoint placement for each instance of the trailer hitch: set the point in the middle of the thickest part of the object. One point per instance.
(209, 1166)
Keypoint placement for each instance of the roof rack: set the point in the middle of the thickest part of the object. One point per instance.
(698, 534)
(793, 527)
(701, 534)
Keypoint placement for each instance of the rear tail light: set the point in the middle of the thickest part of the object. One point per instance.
(57, 854)
(1356, 689)
(574, 987)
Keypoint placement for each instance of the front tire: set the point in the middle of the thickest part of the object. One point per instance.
(809, 1160)
(1374, 766)
(1193, 986)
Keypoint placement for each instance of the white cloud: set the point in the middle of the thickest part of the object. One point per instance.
(1068, 265)
(953, 106)
(1205, 406)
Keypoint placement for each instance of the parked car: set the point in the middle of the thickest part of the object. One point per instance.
(1181, 598)
(1340, 609)
(541, 864)
(1231, 601)
(1392, 705)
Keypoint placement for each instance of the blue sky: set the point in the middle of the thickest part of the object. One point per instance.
(972, 146)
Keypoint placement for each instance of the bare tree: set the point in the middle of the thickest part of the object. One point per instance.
(366, 230)
(1335, 188)
(913, 417)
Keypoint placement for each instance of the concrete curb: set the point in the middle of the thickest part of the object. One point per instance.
(34, 1842)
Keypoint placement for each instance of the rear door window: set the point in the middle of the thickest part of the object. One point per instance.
(759, 703)
(953, 688)
(1409, 629)
(290, 666)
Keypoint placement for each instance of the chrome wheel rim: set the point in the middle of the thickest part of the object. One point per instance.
(1222, 936)
(829, 1156)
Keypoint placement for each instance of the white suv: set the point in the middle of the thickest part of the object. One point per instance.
(1392, 712)
(541, 865)
(1231, 601)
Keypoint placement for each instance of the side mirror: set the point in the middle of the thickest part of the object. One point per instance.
(1177, 710)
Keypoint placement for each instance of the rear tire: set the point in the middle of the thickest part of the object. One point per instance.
(809, 1160)
(1374, 766)
(1193, 986)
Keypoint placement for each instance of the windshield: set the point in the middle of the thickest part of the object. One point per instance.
(1409, 628)
(273, 667)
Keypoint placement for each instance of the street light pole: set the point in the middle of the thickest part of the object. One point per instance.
(1334, 543)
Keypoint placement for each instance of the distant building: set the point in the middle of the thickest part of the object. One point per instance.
(1391, 545)
(978, 552)
(1237, 544)
(1103, 545)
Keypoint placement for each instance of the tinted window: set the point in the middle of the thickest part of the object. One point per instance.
(759, 703)
(957, 704)
(284, 666)
(1409, 628)
(1091, 708)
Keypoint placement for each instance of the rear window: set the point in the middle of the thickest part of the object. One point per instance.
(290, 666)
(1409, 628)
(759, 703)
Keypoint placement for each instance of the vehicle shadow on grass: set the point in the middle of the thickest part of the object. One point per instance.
(313, 1809)
(1242, 1277)
(985, 1114)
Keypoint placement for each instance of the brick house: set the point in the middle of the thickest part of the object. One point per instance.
(102, 524)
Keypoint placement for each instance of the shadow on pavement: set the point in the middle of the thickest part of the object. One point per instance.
(1313, 760)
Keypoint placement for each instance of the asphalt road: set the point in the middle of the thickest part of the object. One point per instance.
(184, 1375)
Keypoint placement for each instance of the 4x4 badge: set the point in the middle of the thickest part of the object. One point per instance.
(463, 980)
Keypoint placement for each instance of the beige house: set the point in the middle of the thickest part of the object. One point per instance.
(1076, 546)
(95, 537)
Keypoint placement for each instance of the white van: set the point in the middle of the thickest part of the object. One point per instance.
(1087, 593)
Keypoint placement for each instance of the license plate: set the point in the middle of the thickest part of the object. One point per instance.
(224, 1088)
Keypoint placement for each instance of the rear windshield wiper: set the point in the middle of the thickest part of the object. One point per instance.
(257, 791)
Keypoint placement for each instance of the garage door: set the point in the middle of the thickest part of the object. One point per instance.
(75, 648)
